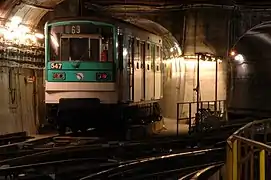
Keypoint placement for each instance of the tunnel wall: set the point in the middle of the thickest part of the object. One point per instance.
(21, 99)
(180, 79)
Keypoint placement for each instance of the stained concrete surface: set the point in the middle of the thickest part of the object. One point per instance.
(21, 101)
(180, 80)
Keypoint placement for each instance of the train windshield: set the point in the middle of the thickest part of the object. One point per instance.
(95, 45)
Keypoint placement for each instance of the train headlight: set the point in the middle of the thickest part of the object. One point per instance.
(59, 76)
(102, 76)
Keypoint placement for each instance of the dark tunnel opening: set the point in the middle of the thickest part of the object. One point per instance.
(251, 78)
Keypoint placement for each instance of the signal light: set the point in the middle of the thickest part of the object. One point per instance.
(232, 53)
(102, 76)
(58, 75)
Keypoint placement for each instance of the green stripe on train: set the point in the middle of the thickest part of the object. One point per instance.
(78, 76)
(81, 65)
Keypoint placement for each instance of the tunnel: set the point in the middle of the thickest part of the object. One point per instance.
(23, 77)
(250, 72)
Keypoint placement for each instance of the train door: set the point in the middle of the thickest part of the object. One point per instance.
(137, 72)
(142, 60)
(152, 73)
(120, 67)
(131, 68)
(148, 73)
(158, 74)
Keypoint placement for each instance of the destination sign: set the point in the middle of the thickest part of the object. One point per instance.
(79, 28)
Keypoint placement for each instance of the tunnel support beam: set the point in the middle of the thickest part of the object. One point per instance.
(198, 91)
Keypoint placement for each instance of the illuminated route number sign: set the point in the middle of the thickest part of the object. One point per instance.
(84, 28)
(76, 29)
(56, 66)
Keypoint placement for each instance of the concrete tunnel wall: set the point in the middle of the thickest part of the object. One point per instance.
(21, 100)
(179, 81)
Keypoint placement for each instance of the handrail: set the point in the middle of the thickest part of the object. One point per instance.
(241, 151)
(251, 124)
(253, 143)
(188, 111)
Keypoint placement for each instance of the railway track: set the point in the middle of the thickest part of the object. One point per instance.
(58, 146)
(71, 156)
(102, 168)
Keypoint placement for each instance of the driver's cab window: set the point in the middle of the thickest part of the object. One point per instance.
(107, 49)
(82, 48)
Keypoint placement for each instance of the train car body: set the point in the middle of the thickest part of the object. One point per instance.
(101, 73)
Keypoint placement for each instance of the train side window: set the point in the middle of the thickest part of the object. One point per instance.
(137, 65)
(142, 54)
(137, 43)
(148, 46)
(148, 67)
(157, 68)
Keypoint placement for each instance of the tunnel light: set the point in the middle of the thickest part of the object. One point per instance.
(32, 38)
(16, 20)
(23, 29)
(240, 58)
(232, 53)
(9, 35)
(117, 44)
(171, 49)
(3, 30)
(39, 35)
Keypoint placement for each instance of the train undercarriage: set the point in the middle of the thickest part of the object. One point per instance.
(82, 114)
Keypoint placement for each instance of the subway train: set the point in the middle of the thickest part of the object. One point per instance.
(101, 73)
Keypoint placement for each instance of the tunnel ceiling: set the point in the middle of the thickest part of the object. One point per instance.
(33, 10)
(255, 43)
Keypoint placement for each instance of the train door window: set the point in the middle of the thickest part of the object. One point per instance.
(107, 48)
(65, 49)
(120, 51)
(142, 54)
(136, 54)
(157, 58)
(131, 66)
(147, 57)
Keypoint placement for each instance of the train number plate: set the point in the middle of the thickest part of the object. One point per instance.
(56, 66)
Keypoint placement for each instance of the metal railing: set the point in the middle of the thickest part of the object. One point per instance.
(188, 111)
(249, 152)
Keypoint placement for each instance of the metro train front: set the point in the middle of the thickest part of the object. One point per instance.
(79, 72)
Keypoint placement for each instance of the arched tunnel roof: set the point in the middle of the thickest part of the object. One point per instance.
(32, 13)
(255, 43)
(169, 41)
